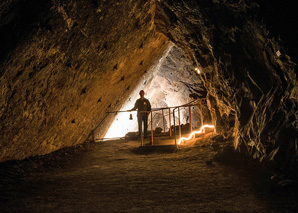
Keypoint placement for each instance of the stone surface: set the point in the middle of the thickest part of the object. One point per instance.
(114, 177)
(250, 78)
(177, 83)
(65, 63)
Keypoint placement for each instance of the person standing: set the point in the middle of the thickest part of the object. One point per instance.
(144, 107)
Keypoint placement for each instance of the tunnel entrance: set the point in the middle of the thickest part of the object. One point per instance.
(172, 81)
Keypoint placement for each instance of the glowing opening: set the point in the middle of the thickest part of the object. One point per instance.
(197, 69)
(122, 123)
(161, 84)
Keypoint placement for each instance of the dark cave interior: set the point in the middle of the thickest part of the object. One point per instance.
(64, 64)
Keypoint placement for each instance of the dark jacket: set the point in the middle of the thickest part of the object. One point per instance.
(142, 104)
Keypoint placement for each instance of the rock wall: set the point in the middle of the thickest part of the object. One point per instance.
(177, 83)
(64, 64)
(246, 68)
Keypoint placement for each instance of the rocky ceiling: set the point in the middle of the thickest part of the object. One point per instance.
(63, 64)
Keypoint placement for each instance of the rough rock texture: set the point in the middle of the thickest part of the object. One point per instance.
(177, 83)
(64, 63)
(250, 78)
(172, 81)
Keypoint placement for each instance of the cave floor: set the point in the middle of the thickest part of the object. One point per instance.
(113, 177)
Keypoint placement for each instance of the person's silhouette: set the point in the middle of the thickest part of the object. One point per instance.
(144, 107)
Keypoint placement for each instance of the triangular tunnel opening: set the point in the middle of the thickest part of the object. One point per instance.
(172, 81)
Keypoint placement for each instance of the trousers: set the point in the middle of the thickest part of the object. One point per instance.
(143, 119)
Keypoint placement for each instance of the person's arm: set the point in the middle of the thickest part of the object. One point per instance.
(135, 107)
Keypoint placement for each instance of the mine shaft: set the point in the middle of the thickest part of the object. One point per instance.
(148, 106)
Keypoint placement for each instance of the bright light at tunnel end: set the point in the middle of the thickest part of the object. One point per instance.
(197, 69)
(202, 129)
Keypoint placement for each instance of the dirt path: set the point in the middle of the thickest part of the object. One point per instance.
(109, 177)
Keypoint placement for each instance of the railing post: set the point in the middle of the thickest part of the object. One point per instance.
(202, 123)
(174, 125)
(163, 120)
(170, 123)
(190, 121)
(179, 122)
(142, 135)
(151, 128)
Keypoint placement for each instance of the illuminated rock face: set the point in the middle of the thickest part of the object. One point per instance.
(173, 81)
(65, 63)
(250, 79)
(176, 83)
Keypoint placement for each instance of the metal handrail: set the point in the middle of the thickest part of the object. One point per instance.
(192, 103)
(157, 109)
(190, 123)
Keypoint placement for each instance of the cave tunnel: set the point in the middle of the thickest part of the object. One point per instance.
(65, 64)
(172, 81)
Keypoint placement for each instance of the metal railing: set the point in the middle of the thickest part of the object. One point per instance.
(197, 102)
(189, 105)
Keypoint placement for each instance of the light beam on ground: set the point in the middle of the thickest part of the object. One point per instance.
(195, 132)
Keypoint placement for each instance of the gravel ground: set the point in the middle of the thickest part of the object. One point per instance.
(114, 177)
